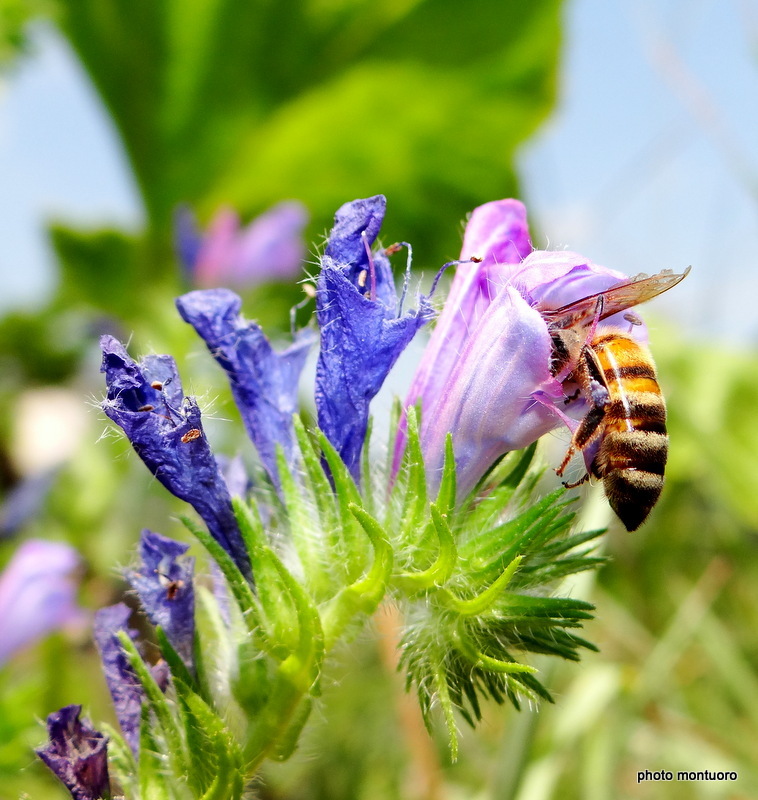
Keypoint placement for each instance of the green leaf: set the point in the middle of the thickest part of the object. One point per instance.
(201, 77)
(239, 587)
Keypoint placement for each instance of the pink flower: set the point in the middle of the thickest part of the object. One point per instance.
(37, 594)
(270, 248)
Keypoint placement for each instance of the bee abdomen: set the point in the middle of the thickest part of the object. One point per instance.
(641, 411)
(631, 464)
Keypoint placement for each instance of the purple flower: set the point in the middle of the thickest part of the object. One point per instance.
(270, 248)
(37, 594)
(123, 684)
(486, 376)
(497, 235)
(164, 427)
(77, 754)
(363, 330)
(163, 582)
(263, 382)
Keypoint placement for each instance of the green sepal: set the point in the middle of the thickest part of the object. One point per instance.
(315, 477)
(413, 513)
(303, 666)
(252, 683)
(175, 663)
(154, 783)
(447, 491)
(215, 753)
(367, 475)
(350, 546)
(468, 648)
(121, 761)
(487, 553)
(483, 601)
(157, 701)
(365, 594)
(207, 658)
(507, 475)
(287, 744)
(441, 570)
(240, 588)
(302, 529)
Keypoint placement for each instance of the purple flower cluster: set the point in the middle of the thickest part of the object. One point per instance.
(486, 377)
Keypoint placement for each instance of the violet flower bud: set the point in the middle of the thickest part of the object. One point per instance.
(37, 594)
(270, 248)
(77, 754)
(363, 331)
(263, 381)
(163, 582)
(166, 431)
(123, 684)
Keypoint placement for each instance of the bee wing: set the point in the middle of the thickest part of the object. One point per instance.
(580, 313)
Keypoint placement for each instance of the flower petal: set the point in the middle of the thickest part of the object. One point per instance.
(264, 383)
(361, 336)
(488, 403)
(498, 234)
(77, 754)
(166, 431)
(164, 585)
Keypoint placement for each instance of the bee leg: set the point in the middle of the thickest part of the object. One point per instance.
(574, 484)
(584, 433)
(598, 313)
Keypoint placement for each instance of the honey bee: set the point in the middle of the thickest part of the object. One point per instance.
(623, 435)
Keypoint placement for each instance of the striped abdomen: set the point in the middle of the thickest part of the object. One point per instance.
(632, 455)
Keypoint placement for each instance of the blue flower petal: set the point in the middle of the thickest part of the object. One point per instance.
(164, 585)
(263, 382)
(166, 431)
(361, 335)
(77, 754)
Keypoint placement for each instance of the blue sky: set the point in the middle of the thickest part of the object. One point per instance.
(650, 160)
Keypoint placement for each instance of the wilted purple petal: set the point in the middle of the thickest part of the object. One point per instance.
(271, 247)
(77, 754)
(263, 382)
(497, 235)
(37, 594)
(163, 582)
(166, 431)
(361, 334)
(123, 684)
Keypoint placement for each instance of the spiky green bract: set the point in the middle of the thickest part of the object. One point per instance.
(475, 582)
